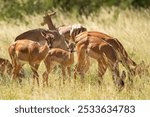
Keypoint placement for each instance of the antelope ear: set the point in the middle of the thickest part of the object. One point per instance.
(67, 43)
(43, 34)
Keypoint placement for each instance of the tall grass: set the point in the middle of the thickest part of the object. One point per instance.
(130, 27)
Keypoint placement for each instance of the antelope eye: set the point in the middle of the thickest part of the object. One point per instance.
(49, 38)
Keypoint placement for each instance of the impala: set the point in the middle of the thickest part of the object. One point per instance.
(105, 54)
(6, 67)
(31, 52)
(58, 56)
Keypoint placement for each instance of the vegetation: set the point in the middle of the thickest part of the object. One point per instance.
(20, 8)
(130, 26)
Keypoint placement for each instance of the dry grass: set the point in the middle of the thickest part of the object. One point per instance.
(130, 27)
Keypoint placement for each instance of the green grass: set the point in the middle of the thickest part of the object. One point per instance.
(130, 27)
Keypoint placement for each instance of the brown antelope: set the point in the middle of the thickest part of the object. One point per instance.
(6, 67)
(58, 56)
(123, 57)
(105, 54)
(32, 52)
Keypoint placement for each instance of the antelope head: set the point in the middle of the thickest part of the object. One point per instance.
(49, 37)
(47, 18)
(70, 46)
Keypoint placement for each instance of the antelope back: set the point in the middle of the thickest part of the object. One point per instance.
(76, 29)
(55, 39)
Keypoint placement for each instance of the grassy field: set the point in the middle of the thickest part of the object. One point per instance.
(130, 27)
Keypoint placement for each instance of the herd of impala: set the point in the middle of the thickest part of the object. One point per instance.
(56, 46)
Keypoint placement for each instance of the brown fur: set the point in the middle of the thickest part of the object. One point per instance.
(47, 20)
(58, 56)
(5, 66)
(127, 62)
(35, 35)
(103, 52)
(27, 51)
(69, 31)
